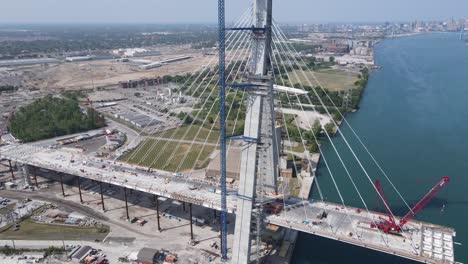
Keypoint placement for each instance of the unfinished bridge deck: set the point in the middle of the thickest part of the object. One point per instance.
(422, 242)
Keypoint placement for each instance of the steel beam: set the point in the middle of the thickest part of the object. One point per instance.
(222, 118)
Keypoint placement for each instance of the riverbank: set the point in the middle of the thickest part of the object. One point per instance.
(409, 105)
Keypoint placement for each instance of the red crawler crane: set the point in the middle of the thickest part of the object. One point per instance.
(390, 225)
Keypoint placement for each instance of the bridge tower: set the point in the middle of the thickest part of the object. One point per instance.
(259, 159)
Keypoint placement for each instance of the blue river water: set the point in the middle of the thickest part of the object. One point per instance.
(413, 117)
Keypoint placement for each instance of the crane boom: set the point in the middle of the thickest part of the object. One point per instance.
(384, 200)
(390, 225)
(420, 205)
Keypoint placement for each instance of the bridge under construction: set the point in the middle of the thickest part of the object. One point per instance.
(260, 75)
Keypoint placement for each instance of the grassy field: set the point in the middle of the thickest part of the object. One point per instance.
(31, 230)
(331, 79)
(299, 148)
(294, 187)
(168, 148)
(190, 133)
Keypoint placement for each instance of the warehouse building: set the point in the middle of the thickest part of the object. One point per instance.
(147, 256)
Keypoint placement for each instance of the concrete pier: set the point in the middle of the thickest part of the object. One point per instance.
(156, 198)
(191, 222)
(79, 189)
(34, 169)
(27, 173)
(11, 170)
(126, 202)
(102, 197)
(61, 184)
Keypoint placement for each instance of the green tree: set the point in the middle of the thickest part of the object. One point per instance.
(51, 117)
(314, 147)
(330, 128)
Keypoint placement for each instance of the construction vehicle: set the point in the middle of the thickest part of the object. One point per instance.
(270, 208)
(390, 225)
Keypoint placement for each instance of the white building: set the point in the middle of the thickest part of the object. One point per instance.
(80, 58)
(136, 52)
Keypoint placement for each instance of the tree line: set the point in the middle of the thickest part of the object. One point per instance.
(52, 117)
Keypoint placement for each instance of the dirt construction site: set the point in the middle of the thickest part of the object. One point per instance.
(107, 72)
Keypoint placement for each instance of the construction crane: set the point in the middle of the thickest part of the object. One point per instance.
(222, 121)
(390, 225)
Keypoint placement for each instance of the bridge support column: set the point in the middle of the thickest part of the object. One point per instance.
(11, 170)
(102, 197)
(183, 206)
(126, 203)
(35, 176)
(79, 189)
(27, 173)
(191, 222)
(61, 184)
(156, 198)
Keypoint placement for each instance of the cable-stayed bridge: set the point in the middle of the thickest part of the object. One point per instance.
(256, 66)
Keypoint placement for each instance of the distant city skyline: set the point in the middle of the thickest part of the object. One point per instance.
(205, 11)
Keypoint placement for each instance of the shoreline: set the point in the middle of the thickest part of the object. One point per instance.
(315, 171)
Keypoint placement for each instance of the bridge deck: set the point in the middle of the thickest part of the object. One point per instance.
(420, 241)
(118, 173)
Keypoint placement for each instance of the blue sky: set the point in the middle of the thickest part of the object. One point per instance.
(174, 11)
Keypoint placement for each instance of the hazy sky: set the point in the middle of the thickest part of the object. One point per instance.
(174, 11)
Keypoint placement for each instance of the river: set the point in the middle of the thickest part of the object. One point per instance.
(413, 117)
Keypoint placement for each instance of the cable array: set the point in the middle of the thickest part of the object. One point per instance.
(281, 40)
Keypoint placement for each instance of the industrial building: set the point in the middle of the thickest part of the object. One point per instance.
(80, 58)
(24, 62)
(147, 256)
(158, 64)
(138, 120)
(136, 52)
(151, 65)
